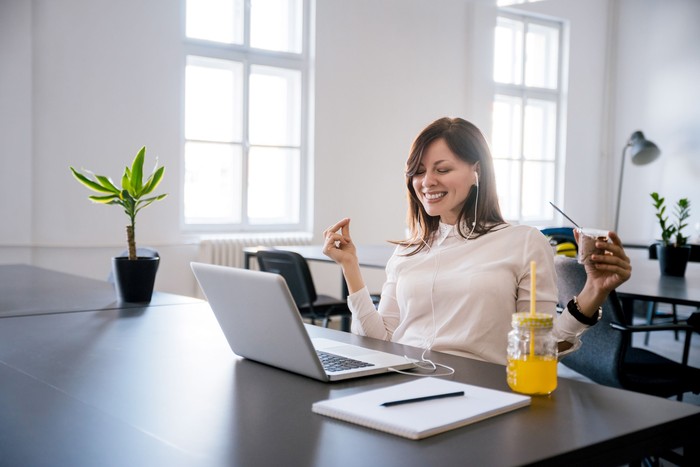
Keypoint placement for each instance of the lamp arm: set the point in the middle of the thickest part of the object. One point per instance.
(619, 188)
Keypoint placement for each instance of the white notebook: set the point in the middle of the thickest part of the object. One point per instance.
(425, 418)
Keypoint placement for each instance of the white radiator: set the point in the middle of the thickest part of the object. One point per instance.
(228, 250)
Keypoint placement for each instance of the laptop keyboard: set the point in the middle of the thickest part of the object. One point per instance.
(333, 363)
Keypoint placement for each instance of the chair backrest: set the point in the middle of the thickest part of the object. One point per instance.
(602, 353)
(566, 233)
(560, 234)
(295, 270)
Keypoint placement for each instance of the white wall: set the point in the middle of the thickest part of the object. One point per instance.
(585, 199)
(385, 69)
(653, 86)
(94, 80)
(16, 180)
(658, 92)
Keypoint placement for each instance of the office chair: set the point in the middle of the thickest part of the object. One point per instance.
(295, 270)
(607, 356)
(562, 238)
(652, 307)
(145, 252)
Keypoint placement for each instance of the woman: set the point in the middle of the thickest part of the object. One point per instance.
(455, 283)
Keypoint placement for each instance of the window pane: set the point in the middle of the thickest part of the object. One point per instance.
(506, 126)
(542, 56)
(508, 51)
(213, 93)
(273, 185)
(215, 20)
(276, 25)
(540, 130)
(275, 106)
(508, 183)
(538, 189)
(212, 177)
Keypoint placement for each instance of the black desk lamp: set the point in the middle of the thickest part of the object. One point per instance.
(643, 152)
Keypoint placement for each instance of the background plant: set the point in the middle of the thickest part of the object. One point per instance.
(681, 212)
(131, 196)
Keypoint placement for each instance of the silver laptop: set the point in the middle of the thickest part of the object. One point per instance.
(261, 322)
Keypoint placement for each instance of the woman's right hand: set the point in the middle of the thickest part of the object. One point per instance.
(338, 245)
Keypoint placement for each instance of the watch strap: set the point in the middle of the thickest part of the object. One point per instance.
(575, 311)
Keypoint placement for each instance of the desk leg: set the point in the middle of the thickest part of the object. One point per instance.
(691, 454)
(246, 258)
(627, 309)
(343, 287)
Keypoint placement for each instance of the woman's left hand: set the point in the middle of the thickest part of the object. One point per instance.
(610, 269)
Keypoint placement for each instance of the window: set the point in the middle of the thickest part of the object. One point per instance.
(526, 110)
(246, 90)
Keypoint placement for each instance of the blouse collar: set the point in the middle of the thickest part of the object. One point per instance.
(444, 231)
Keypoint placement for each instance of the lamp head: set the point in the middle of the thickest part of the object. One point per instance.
(643, 151)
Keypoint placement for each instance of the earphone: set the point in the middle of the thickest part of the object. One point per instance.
(425, 363)
(476, 204)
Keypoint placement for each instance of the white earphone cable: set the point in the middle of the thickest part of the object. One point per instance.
(426, 364)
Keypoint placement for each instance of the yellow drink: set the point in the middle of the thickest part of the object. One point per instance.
(532, 375)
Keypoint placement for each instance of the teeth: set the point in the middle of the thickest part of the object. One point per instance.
(432, 196)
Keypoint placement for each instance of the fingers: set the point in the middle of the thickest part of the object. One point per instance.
(615, 238)
(334, 239)
(614, 260)
(614, 247)
(338, 225)
(345, 229)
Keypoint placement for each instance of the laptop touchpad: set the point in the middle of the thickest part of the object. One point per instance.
(346, 350)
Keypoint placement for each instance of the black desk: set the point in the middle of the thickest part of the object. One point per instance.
(159, 386)
(647, 282)
(30, 290)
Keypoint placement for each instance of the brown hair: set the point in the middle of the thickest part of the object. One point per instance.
(467, 142)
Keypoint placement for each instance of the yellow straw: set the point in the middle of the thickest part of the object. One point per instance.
(532, 291)
(532, 307)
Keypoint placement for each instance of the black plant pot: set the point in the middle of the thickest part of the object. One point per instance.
(134, 279)
(673, 259)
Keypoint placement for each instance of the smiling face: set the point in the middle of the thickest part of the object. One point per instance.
(443, 181)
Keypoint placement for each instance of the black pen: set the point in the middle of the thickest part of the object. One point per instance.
(425, 398)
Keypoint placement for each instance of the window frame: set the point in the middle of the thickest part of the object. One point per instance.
(249, 57)
(555, 95)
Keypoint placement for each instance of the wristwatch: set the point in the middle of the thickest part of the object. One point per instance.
(575, 311)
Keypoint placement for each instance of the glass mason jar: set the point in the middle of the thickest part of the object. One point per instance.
(532, 354)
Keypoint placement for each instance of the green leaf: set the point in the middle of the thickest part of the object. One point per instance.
(107, 183)
(146, 202)
(126, 180)
(153, 181)
(104, 199)
(137, 173)
(89, 183)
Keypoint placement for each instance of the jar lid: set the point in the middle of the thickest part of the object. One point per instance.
(538, 320)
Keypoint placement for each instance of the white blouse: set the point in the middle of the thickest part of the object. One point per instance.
(459, 295)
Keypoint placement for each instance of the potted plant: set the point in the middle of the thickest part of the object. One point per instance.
(672, 250)
(134, 275)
